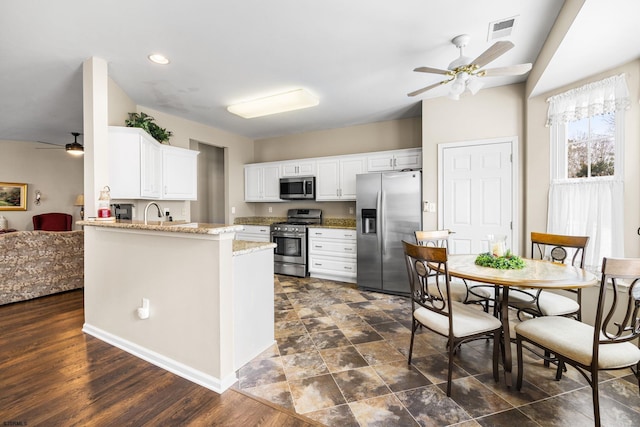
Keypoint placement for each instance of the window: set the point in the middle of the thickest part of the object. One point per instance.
(591, 146)
(587, 142)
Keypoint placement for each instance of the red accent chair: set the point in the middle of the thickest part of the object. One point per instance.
(52, 222)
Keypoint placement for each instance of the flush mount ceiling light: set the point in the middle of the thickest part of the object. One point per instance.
(158, 59)
(287, 101)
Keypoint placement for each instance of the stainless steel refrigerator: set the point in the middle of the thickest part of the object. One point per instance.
(388, 210)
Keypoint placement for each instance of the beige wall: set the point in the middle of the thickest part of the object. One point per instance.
(491, 113)
(537, 155)
(380, 136)
(55, 173)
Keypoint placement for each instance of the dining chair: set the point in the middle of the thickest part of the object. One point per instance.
(460, 290)
(607, 345)
(433, 307)
(559, 248)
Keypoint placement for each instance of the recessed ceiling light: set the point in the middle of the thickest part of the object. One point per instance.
(287, 101)
(158, 59)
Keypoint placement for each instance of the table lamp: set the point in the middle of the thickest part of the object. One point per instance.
(80, 202)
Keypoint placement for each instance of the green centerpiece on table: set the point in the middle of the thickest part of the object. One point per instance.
(506, 262)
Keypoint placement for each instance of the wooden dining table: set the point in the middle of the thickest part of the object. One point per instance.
(536, 274)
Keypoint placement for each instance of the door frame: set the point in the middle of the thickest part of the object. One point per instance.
(515, 173)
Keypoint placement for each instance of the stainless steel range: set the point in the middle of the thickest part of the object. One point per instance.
(290, 255)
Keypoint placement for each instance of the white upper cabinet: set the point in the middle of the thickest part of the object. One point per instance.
(336, 178)
(142, 168)
(262, 183)
(179, 173)
(150, 169)
(410, 158)
(298, 168)
(335, 175)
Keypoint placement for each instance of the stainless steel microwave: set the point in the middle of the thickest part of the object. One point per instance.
(298, 188)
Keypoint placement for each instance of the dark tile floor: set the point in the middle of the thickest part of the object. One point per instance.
(340, 359)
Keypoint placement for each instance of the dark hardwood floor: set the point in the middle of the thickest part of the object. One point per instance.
(52, 374)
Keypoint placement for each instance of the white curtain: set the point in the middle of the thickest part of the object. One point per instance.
(591, 209)
(601, 97)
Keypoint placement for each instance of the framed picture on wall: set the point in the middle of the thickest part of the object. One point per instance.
(13, 196)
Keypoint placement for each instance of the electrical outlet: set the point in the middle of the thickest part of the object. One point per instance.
(166, 212)
(351, 211)
(270, 209)
(233, 209)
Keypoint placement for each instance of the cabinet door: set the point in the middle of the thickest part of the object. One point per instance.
(410, 159)
(179, 173)
(271, 183)
(379, 163)
(262, 183)
(328, 180)
(349, 168)
(150, 169)
(252, 183)
(298, 168)
(124, 165)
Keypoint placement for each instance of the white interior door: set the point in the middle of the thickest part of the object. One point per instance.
(477, 193)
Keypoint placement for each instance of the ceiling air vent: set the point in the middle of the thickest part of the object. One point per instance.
(501, 28)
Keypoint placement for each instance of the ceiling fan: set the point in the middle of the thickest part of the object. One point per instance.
(464, 73)
(74, 148)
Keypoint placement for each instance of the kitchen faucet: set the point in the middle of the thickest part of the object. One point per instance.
(146, 209)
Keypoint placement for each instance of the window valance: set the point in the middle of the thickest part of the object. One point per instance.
(601, 97)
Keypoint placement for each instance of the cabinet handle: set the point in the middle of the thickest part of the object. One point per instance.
(317, 264)
(317, 234)
(318, 246)
(348, 268)
(348, 249)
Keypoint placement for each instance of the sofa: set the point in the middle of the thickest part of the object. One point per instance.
(38, 263)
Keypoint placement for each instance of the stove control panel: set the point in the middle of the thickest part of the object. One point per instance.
(289, 228)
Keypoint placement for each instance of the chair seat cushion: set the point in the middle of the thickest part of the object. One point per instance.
(574, 340)
(461, 293)
(551, 304)
(467, 320)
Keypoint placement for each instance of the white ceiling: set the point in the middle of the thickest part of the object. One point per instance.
(357, 56)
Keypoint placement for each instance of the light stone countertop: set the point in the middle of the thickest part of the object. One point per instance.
(342, 223)
(170, 226)
(243, 247)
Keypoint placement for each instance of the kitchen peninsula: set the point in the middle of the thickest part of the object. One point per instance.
(210, 298)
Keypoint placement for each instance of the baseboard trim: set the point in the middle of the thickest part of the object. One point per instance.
(195, 376)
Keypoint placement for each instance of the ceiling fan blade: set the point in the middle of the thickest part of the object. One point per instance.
(498, 49)
(511, 70)
(51, 143)
(431, 70)
(424, 89)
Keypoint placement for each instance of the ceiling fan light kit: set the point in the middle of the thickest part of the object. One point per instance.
(463, 73)
(74, 148)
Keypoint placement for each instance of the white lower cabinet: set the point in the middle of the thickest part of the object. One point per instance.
(255, 233)
(333, 254)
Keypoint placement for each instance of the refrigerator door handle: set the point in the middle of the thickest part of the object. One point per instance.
(378, 224)
(382, 221)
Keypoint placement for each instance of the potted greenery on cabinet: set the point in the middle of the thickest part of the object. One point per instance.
(146, 122)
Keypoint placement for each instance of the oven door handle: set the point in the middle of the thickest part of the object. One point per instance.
(292, 235)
